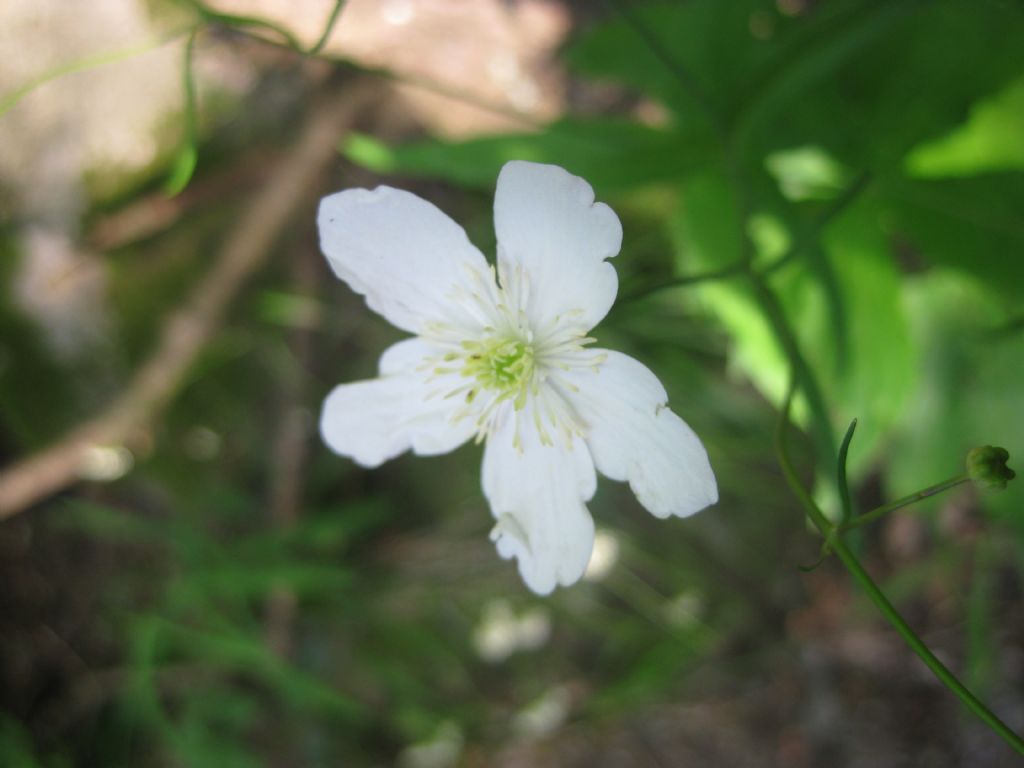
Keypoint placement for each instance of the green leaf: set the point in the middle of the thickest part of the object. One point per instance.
(711, 40)
(914, 78)
(707, 234)
(990, 140)
(972, 224)
(807, 173)
(877, 374)
(842, 296)
(182, 169)
(609, 153)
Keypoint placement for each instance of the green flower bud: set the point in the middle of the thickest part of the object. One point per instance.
(986, 465)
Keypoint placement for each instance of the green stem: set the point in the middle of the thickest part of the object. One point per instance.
(906, 501)
(923, 652)
(9, 100)
(328, 28)
(863, 578)
(677, 282)
(813, 231)
(803, 376)
(821, 423)
(821, 522)
(235, 21)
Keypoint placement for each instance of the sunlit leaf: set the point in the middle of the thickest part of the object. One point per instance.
(989, 141)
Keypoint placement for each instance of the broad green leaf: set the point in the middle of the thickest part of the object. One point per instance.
(711, 40)
(807, 173)
(875, 377)
(842, 299)
(912, 78)
(609, 153)
(991, 140)
(810, 55)
(974, 224)
(707, 234)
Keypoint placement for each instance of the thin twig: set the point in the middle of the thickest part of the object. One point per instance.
(683, 280)
(906, 501)
(339, 5)
(10, 99)
(291, 447)
(189, 328)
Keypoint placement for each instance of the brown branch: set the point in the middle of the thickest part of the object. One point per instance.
(188, 329)
(291, 446)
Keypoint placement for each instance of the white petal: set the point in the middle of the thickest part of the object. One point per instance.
(537, 494)
(401, 252)
(548, 224)
(633, 436)
(373, 421)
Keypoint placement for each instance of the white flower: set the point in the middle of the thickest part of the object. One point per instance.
(503, 356)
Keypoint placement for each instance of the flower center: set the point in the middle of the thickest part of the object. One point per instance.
(504, 365)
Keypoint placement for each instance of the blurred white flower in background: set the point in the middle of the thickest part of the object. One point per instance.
(543, 716)
(684, 610)
(441, 751)
(503, 355)
(106, 463)
(501, 632)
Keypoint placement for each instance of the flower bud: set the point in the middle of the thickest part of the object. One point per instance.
(986, 466)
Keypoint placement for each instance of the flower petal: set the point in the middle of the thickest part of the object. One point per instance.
(633, 436)
(537, 494)
(375, 420)
(548, 224)
(401, 252)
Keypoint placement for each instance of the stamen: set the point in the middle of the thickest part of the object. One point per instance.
(506, 359)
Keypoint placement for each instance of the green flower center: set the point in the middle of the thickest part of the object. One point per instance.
(505, 365)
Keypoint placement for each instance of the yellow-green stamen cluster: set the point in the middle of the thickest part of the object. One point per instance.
(504, 365)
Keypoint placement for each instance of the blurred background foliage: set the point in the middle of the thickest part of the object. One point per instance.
(225, 592)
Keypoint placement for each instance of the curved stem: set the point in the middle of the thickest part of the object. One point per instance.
(918, 646)
(328, 28)
(10, 99)
(803, 376)
(821, 423)
(677, 282)
(834, 540)
(234, 20)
